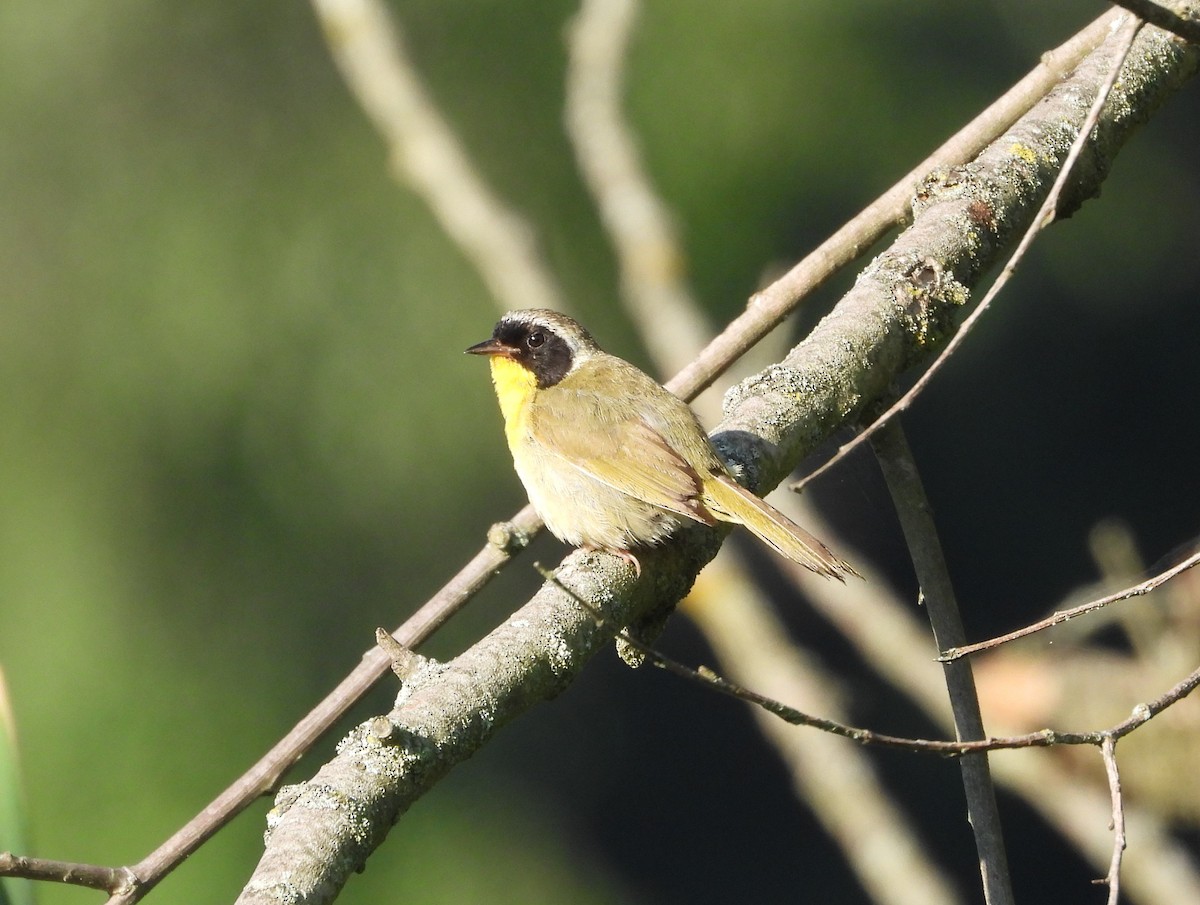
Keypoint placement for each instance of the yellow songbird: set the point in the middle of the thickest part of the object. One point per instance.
(611, 459)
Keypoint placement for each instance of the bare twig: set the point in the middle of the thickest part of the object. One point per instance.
(1042, 738)
(767, 309)
(1062, 616)
(1043, 218)
(1164, 18)
(884, 631)
(916, 521)
(270, 768)
(93, 876)
(1113, 879)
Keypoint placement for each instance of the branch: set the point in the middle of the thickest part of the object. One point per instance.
(1113, 878)
(323, 830)
(92, 876)
(505, 540)
(1164, 18)
(649, 253)
(768, 308)
(1042, 738)
(907, 300)
(929, 562)
(1145, 587)
(426, 155)
(1045, 215)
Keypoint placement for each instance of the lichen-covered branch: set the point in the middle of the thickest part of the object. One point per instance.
(910, 297)
(323, 830)
(906, 301)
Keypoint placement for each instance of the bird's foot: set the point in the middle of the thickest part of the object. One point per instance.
(624, 554)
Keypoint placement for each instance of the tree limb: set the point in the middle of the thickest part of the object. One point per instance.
(905, 302)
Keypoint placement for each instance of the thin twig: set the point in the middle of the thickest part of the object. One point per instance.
(270, 768)
(1166, 19)
(1043, 218)
(93, 876)
(1042, 738)
(767, 308)
(1113, 879)
(920, 535)
(1062, 616)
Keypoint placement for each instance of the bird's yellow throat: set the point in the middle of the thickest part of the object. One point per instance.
(515, 385)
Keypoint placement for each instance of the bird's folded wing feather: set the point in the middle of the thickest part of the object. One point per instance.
(626, 454)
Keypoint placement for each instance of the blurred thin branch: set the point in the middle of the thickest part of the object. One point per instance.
(837, 781)
(649, 253)
(886, 634)
(769, 307)
(367, 44)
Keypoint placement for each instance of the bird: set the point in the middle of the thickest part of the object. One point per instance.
(611, 459)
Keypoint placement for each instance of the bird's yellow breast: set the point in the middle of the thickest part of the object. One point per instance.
(515, 386)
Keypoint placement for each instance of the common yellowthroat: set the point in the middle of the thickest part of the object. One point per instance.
(611, 459)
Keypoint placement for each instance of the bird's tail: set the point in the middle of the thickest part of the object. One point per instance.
(731, 502)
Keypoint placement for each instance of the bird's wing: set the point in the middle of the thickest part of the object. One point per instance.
(619, 446)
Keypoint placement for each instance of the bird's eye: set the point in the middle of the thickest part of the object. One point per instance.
(536, 338)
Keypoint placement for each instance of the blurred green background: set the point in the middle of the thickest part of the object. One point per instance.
(237, 431)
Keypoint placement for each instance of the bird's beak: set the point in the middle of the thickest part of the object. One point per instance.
(492, 346)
